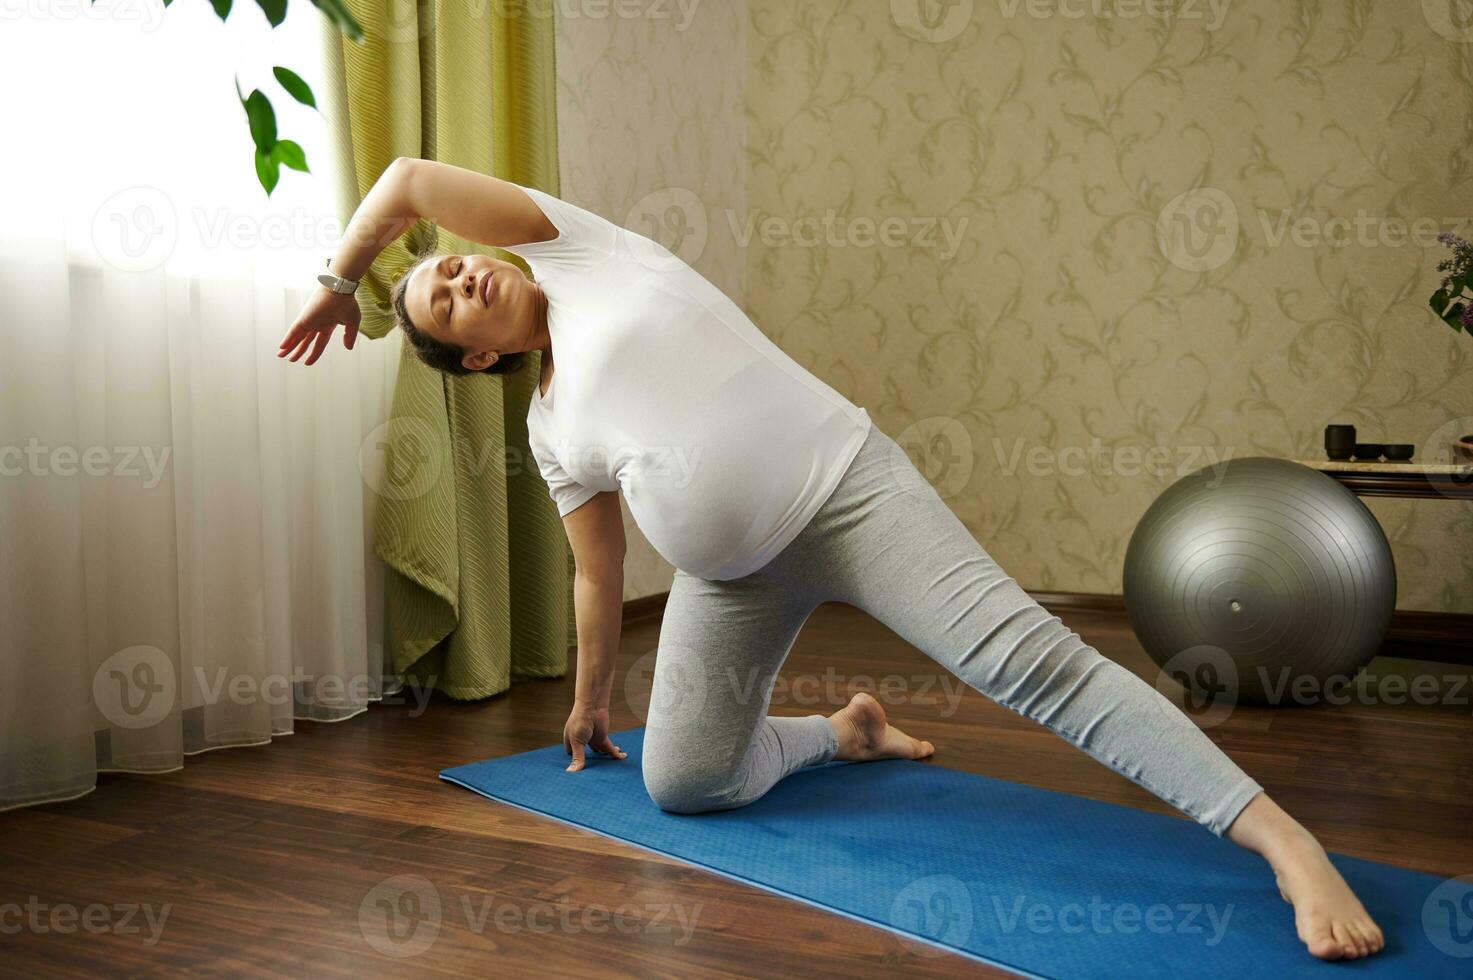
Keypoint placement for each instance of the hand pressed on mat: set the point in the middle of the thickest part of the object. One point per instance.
(588, 728)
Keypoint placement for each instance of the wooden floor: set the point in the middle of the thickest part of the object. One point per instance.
(273, 859)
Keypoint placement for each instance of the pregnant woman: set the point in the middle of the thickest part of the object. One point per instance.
(770, 493)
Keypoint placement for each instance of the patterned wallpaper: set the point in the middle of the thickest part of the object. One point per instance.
(651, 130)
(1067, 252)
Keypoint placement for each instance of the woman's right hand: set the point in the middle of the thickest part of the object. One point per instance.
(588, 727)
(313, 328)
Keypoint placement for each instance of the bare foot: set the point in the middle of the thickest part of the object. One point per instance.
(865, 735)
(1330, 920)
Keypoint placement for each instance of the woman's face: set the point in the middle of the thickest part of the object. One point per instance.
(482, 305)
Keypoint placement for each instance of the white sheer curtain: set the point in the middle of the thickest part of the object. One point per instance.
(185, 520)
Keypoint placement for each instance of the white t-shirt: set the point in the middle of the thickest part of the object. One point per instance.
(723, 446)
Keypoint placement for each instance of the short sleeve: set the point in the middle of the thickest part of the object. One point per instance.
(566, 492)
(584, 238)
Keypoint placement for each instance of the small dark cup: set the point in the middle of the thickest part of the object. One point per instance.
(1369, 452)
(1399, 452)
(1339, 441)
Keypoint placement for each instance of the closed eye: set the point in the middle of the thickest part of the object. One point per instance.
(445, 303)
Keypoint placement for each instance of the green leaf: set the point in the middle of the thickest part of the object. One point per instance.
(338, 13)
(1450, 315)
(222, 8)
(275, 11)
(290, 154)
(268, 171)
(293, 83)
(263, 121)
(1453, 317)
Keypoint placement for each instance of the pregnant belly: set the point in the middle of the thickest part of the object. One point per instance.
(702, 508)
(696, 528)
(711, 518)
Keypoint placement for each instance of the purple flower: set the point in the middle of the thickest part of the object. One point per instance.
(1461, 262)
(1467, 318)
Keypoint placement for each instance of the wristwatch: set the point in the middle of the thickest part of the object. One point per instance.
(337, 284)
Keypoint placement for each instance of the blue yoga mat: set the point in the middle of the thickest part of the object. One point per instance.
(1040, 883)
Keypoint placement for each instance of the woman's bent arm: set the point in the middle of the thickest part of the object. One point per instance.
(474, 206)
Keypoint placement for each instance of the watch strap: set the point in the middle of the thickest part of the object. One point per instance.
(337, 284)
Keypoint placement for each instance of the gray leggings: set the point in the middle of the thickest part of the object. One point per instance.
(886, 543)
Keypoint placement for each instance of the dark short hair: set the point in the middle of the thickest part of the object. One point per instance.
(436, 353)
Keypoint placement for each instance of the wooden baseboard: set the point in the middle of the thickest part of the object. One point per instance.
(1088, 602)
(1414, 634)
(644, 607)
(1444, 637)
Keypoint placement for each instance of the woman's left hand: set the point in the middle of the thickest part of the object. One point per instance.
(320, 316)
(588, 727)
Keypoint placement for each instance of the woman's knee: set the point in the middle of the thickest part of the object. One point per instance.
(678, 786)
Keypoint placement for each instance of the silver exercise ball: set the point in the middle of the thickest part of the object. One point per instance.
(1260, 580)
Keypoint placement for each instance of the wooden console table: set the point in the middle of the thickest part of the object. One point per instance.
(1449, 481)
(1444, 637)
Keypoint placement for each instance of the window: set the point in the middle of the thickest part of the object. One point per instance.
(124, 134)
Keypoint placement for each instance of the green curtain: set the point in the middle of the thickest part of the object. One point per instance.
(479, 585)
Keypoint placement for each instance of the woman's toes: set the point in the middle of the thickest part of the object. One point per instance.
(1346, 940)
(1371, 934)
(1323, 944)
